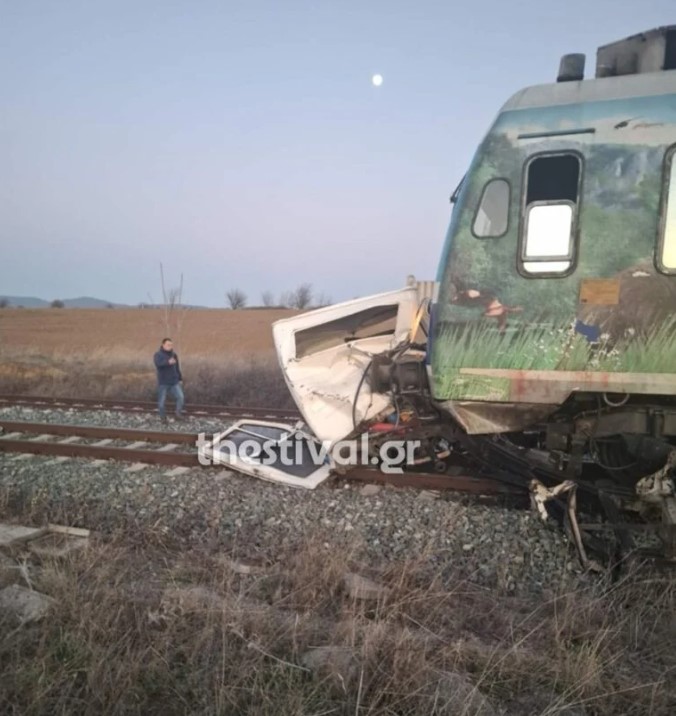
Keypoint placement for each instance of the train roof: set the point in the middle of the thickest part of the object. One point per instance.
(594, 90)
(642, 65)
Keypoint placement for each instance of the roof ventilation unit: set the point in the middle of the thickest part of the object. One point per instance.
(651, 51)
(571, 68)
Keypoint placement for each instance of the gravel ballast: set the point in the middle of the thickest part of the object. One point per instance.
(492, 545)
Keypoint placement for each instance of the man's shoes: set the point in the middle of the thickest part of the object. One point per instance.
(180, 418)
(163, 419)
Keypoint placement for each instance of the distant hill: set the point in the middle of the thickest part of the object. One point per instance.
(25, 301)
(88, 302)
(79, 302)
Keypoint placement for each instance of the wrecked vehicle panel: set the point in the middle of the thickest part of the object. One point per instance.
(325, 356)
(276, 452)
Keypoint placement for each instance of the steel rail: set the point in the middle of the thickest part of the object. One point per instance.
(90, 431)
(154, 457)
(10, 442)
(196, 409)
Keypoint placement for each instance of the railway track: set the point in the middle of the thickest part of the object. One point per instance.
(144, 406)
(177, 449)
(99, 443)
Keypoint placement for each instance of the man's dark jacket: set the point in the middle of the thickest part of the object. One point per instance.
(167, 374)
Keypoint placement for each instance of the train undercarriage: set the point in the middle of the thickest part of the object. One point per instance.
(613, 456)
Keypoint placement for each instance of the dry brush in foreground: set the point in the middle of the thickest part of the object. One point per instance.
(143, 628)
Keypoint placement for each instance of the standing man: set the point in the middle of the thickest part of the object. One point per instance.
(169, 379)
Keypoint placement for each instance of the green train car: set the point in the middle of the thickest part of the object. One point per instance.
(556, 314)
(548, 355)
(558, 277)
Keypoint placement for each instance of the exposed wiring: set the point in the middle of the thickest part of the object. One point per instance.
(392, 354)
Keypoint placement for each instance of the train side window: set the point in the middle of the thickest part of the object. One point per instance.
(667, 253)
(550, 214)
(492, 214)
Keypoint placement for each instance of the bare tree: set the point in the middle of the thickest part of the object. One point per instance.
(301, 298)
(236, 298)
(57, 303)
(268, 299)
(173, 310)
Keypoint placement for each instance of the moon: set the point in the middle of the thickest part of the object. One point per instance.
(377, 80)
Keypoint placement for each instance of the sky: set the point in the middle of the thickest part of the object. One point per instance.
(243, 144)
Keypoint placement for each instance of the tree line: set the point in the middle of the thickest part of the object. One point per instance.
(302, 297)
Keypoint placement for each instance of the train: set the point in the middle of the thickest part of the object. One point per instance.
(547, 344)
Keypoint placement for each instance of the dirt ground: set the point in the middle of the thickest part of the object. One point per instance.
(226, 356)
(204, 332)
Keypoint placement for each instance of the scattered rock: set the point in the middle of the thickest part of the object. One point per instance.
(370, 490)
(57, 545)
(359, 587)
(222, 475)
(13, 534)
(25, 604)
(428, 495)
(455, 695)
(338, 664)
(245, 568)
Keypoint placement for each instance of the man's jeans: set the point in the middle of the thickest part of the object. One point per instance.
(176, 392)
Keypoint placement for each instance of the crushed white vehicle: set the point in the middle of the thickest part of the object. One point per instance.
(354, 369)
(332, 358)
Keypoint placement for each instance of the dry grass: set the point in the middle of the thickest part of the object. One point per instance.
(226, 356)
(125, 375)
(144, 629)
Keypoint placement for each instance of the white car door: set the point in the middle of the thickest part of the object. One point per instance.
(276, 452)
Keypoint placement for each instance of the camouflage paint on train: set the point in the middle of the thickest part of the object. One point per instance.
(505, 337)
